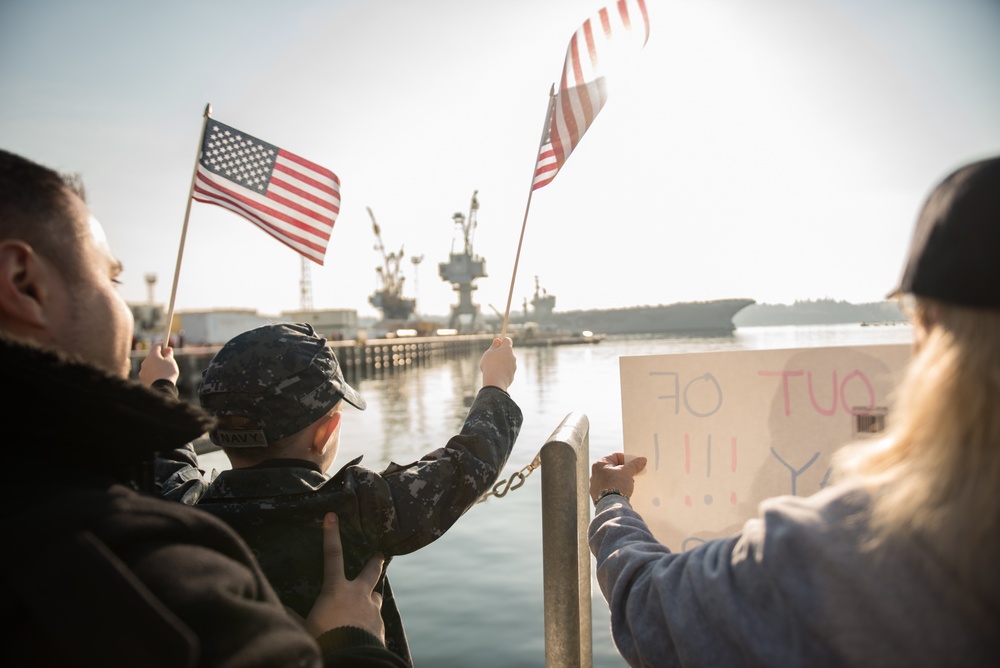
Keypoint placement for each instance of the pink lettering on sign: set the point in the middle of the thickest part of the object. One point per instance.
(785, 375)
(688, 454)
(812, 396)
(838, 395)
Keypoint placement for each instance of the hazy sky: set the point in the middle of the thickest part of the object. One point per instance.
(771, 149)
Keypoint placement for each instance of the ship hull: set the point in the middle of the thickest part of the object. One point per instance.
(709, 317)
(393, 306)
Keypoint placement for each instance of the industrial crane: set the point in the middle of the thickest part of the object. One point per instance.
(389, 297)
(463, 268)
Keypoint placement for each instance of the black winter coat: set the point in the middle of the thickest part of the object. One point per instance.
(97, 572)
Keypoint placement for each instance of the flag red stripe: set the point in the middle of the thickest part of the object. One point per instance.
(250, 214)
(623, 12)
(544, 173)
(580, 99)
(546, 182)
(304, 210)
(266, 210)
(309, 165)
(588, 34)
(262, 223)
(575, 60)
(318, 201)
(569, 118)
(605, 21)
(547, 168)
(307, 180)
(645, 18)
(561, 150)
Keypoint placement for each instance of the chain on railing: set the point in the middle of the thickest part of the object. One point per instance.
(510, 483)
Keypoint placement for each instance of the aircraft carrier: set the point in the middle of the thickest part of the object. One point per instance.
(694, 318)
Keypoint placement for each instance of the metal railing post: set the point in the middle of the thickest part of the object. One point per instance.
(565, 553)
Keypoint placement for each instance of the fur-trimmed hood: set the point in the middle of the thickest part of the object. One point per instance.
(58, 410)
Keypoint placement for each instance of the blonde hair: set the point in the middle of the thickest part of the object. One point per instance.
(936, 475)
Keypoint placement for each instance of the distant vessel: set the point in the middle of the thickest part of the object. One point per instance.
(542, 303)
(537, 329)
(542, 321)
(389, 298)
(707, 317)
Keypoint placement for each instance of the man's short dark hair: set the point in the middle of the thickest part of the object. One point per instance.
(35, 209)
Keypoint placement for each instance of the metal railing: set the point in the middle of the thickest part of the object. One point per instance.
(565, 553)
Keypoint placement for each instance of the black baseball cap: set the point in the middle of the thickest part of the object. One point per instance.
(955, 251)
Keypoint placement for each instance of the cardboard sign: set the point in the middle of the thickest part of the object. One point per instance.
(724, 431)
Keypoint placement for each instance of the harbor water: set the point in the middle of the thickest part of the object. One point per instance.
(474, 597)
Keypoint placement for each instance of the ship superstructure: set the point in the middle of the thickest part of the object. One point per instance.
(462, 268)
(542, 304)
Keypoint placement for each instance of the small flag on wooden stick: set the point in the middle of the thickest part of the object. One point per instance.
(582, 91)
(292, 199)
(581, 95)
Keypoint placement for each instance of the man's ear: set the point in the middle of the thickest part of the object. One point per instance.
(22, 286)
(321, 437)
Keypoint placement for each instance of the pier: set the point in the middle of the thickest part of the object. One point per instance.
(371, 358)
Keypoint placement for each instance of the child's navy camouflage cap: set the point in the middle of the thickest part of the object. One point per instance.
(283, 377)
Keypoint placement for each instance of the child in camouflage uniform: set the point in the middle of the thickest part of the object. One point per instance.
(277, 392)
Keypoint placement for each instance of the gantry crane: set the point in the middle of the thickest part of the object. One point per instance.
(389, 296)
(463, 268)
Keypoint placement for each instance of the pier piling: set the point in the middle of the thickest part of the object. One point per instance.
(565, 553)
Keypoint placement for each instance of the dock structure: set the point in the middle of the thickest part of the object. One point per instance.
(371, 358)
(378, 356)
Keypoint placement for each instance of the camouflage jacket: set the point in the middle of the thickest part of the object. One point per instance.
(278, 507)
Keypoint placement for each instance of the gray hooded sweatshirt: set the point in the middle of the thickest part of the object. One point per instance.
(796, 587)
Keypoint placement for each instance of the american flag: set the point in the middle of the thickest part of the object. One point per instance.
(292, 199)
(581, 90)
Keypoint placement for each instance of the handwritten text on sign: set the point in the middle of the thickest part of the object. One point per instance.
(724, 431)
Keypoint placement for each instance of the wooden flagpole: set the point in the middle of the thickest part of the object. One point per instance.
(527, 206)
(187, 214)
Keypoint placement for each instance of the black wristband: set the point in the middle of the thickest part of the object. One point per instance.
(608, 492)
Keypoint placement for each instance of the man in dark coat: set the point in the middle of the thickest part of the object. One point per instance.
(95, 571)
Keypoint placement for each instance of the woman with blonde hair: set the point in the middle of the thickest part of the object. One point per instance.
(898, 562)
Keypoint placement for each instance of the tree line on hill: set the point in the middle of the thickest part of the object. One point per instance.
(819, 312)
